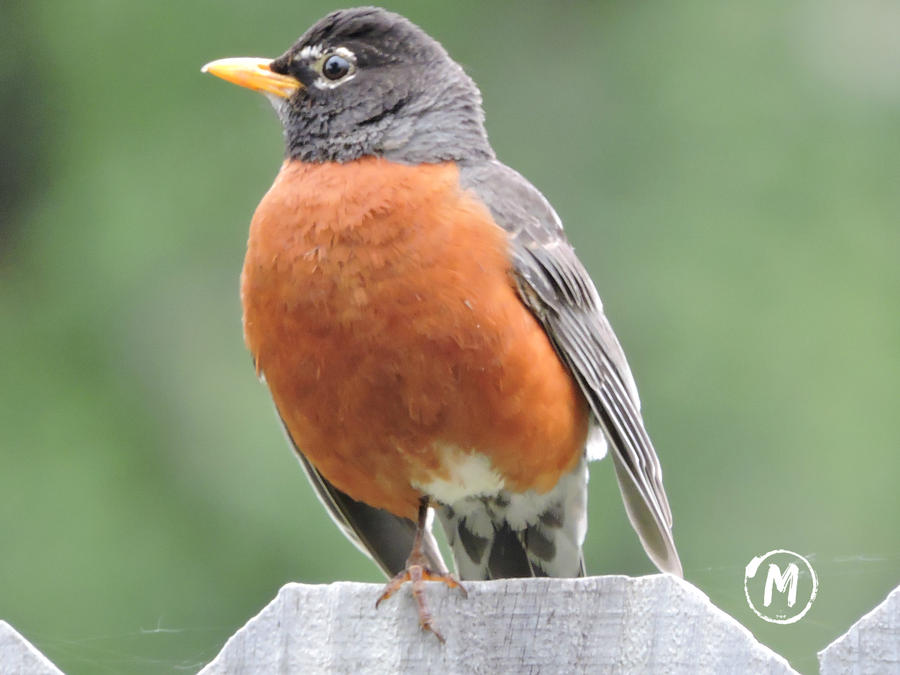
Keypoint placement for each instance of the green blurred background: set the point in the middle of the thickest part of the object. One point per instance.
(729, 172)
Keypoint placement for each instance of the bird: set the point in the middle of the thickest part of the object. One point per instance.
(431, 341)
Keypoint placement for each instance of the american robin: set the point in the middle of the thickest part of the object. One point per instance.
(429, 337)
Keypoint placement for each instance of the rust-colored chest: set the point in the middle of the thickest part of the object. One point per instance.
(379, 305)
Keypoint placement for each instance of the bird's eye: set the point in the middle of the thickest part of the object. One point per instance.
(335, 67)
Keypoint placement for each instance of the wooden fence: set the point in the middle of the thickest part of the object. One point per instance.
(593, 625)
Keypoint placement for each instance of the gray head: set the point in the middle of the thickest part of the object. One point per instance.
(368, 82)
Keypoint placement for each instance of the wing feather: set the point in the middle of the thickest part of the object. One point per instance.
(385, 538)
(555, 286)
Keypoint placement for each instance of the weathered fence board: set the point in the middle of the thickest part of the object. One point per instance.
(871, 646)
(17, 655)
(598, 624)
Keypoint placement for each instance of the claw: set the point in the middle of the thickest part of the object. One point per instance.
(417, 573)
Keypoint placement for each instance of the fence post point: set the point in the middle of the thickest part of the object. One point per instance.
(872, 645)
(17, 655)
(596, 624)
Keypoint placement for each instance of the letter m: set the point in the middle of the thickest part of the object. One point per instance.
(781, 581)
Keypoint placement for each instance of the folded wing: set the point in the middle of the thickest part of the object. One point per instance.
(555, 286)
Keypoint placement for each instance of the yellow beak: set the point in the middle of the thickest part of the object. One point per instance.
(253, 74)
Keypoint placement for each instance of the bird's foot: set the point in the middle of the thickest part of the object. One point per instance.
(416, 573)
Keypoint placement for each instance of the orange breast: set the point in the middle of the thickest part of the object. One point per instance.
(379, 305)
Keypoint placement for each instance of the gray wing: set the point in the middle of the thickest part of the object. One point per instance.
(557, 289)
(387, 539)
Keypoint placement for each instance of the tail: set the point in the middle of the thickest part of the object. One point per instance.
(520, 534)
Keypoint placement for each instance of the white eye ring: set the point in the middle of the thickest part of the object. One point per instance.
(323, 82)
(336, 67)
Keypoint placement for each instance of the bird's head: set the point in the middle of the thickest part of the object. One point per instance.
(368, 82)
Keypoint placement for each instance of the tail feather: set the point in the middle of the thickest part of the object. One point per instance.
(520, 535)
(508, 558)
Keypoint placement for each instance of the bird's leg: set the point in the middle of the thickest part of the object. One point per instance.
(417, 572)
